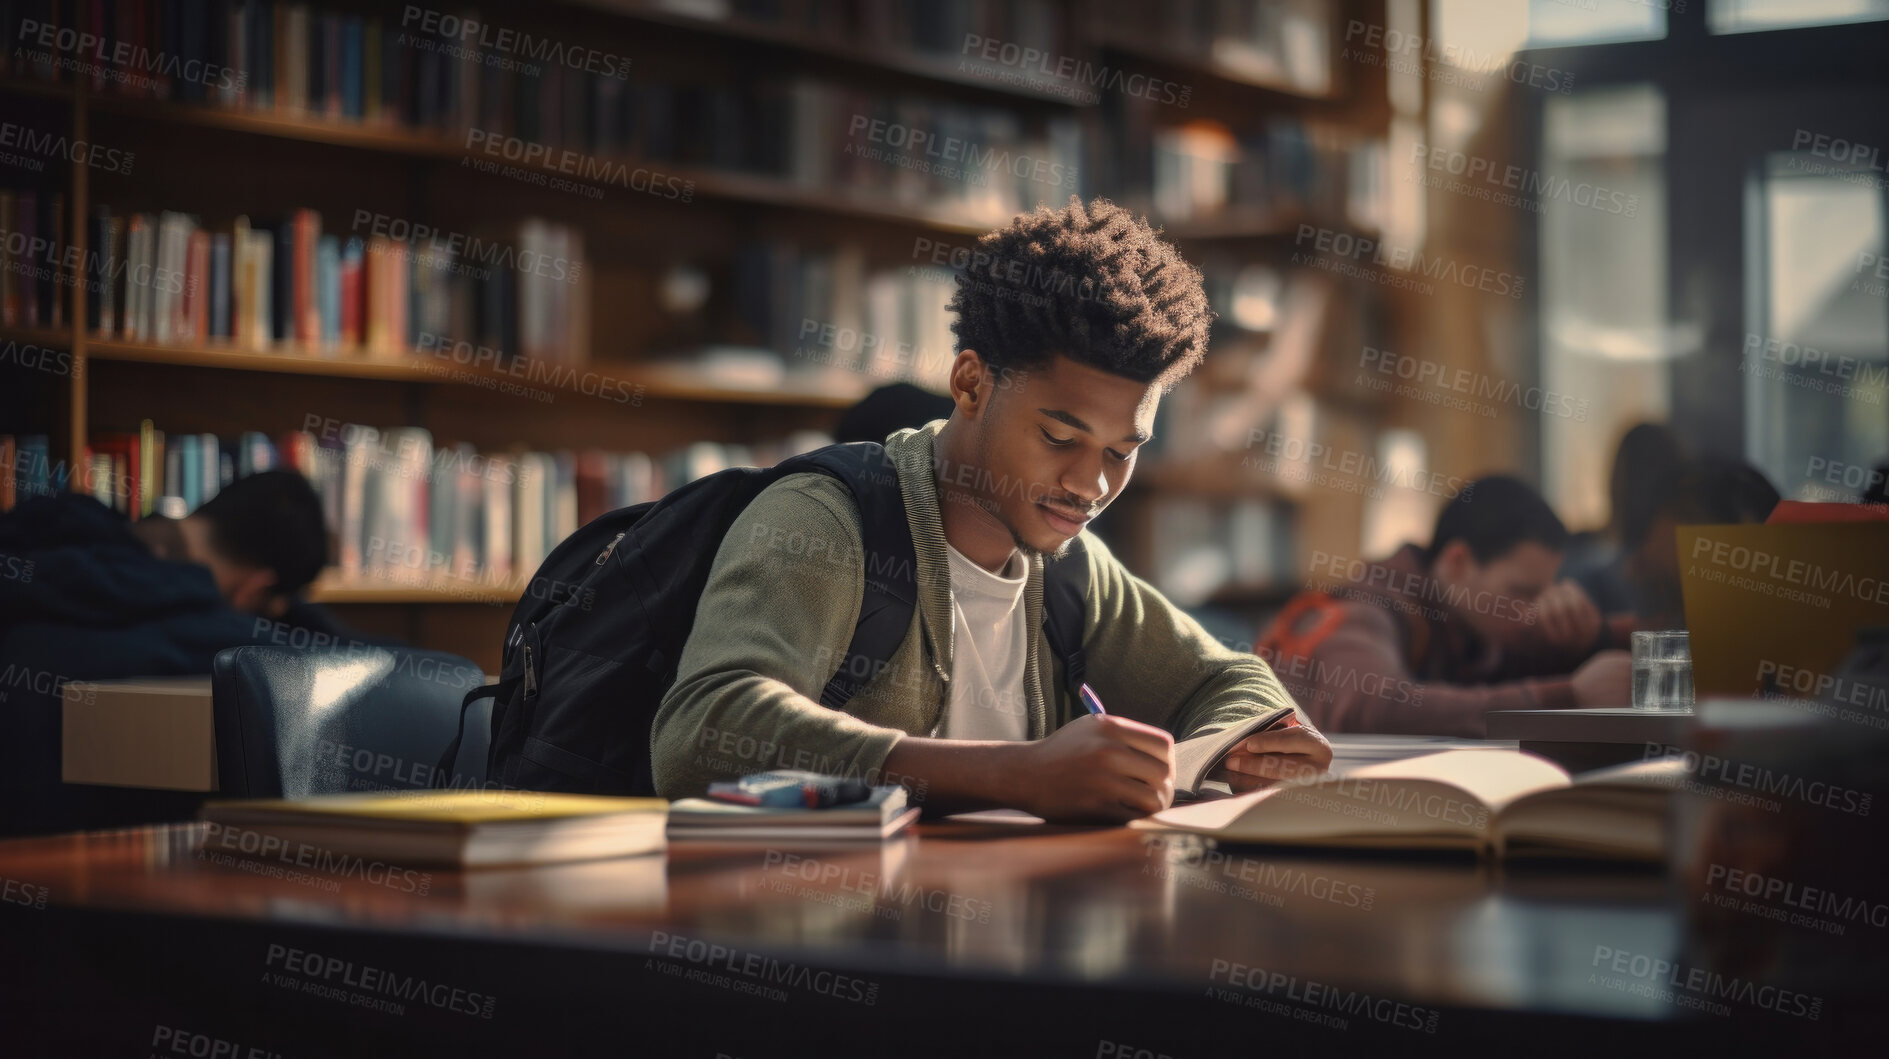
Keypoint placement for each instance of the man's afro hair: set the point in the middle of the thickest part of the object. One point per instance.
(1093, 282)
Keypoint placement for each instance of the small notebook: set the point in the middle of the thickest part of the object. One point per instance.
(1196, 758)
(463, 828)
(881, 816)
(1503, 802)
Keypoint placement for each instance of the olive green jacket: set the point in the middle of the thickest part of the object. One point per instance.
(778, 612)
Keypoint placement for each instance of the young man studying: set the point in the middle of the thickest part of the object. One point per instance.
(1070, 327)
(1431, 639)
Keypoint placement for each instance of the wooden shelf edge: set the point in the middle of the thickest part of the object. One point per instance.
(753, 188)
(334, 587)
(902, 62)
(658, 381)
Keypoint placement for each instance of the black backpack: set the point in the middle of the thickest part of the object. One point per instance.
(593, 645)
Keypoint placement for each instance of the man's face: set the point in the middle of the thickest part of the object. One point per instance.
(1055, 446)
(1495, 593)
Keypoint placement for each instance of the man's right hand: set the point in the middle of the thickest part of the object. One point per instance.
(1098, 768)
(1605, 680)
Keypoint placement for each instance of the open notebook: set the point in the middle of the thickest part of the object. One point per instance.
(1502, 802)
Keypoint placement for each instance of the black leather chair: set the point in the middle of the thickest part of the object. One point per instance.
(291, 723)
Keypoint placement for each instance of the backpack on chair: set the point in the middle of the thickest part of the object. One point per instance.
(594, 645)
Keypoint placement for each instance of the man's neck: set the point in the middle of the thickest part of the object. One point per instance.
(977, 534)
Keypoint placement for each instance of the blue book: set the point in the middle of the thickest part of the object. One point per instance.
(190, 464)
(328, 289)
(351, 83)
(33, 468)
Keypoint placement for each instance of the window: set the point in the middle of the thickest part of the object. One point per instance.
(1746, 16)
(1605, 340)
(1553, 23)
(1467, 30)
(1816, 356)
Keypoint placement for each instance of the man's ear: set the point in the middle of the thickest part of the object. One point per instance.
(251, 589)
(969, 376)
(1454, 563)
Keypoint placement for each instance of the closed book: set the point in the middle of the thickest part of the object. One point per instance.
(282, 283)
(328, 291)
(11, 279)
(34, 474)
(304, 289)
(194, 316)
(52, 279)
(169, 278)
(26, 225)
(881, 816)
(495, 559)
(210, 477)
(220, 285)
(456, 828)
(150, 465)
(353, 293)
(98, 272)
(260, 285)
(350, 63)
(7, 472)
(188, 481)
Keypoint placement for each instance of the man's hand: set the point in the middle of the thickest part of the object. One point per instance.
(1605, 680)
(1098, 768)
(1566, 618)
(1273, 755)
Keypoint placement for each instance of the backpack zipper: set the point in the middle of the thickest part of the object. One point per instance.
(608, 548)
(531, 676)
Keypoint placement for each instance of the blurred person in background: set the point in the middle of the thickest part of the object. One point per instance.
(1642, 583)
(1432, 638)
(889, 409)
(91, 595)
(1648, 454)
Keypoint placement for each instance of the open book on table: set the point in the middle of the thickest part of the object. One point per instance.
(1503, 802)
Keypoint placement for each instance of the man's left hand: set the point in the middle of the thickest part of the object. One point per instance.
(1566, 618)
(1270, 756)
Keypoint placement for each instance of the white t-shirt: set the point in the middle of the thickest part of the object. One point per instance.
(989, 647)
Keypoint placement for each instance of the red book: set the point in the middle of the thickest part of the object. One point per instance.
(352, 295)
(306, 306)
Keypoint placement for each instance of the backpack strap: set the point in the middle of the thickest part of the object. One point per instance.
(1065, 594)
(448, 761)
(891, 590)
(891, 564)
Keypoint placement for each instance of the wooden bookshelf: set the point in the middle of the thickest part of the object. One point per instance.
(214, 152)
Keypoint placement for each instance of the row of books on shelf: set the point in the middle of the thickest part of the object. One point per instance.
(400, 71)
(29, 282)
(401, 508)
(26, 469)
(1290, 167)
(826, 310)
(936, 27)
(171, 279)
(1280, 42)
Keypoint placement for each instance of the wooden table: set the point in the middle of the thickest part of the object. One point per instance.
(962, 939)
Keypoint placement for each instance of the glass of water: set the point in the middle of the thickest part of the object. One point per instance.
(1662, 671)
